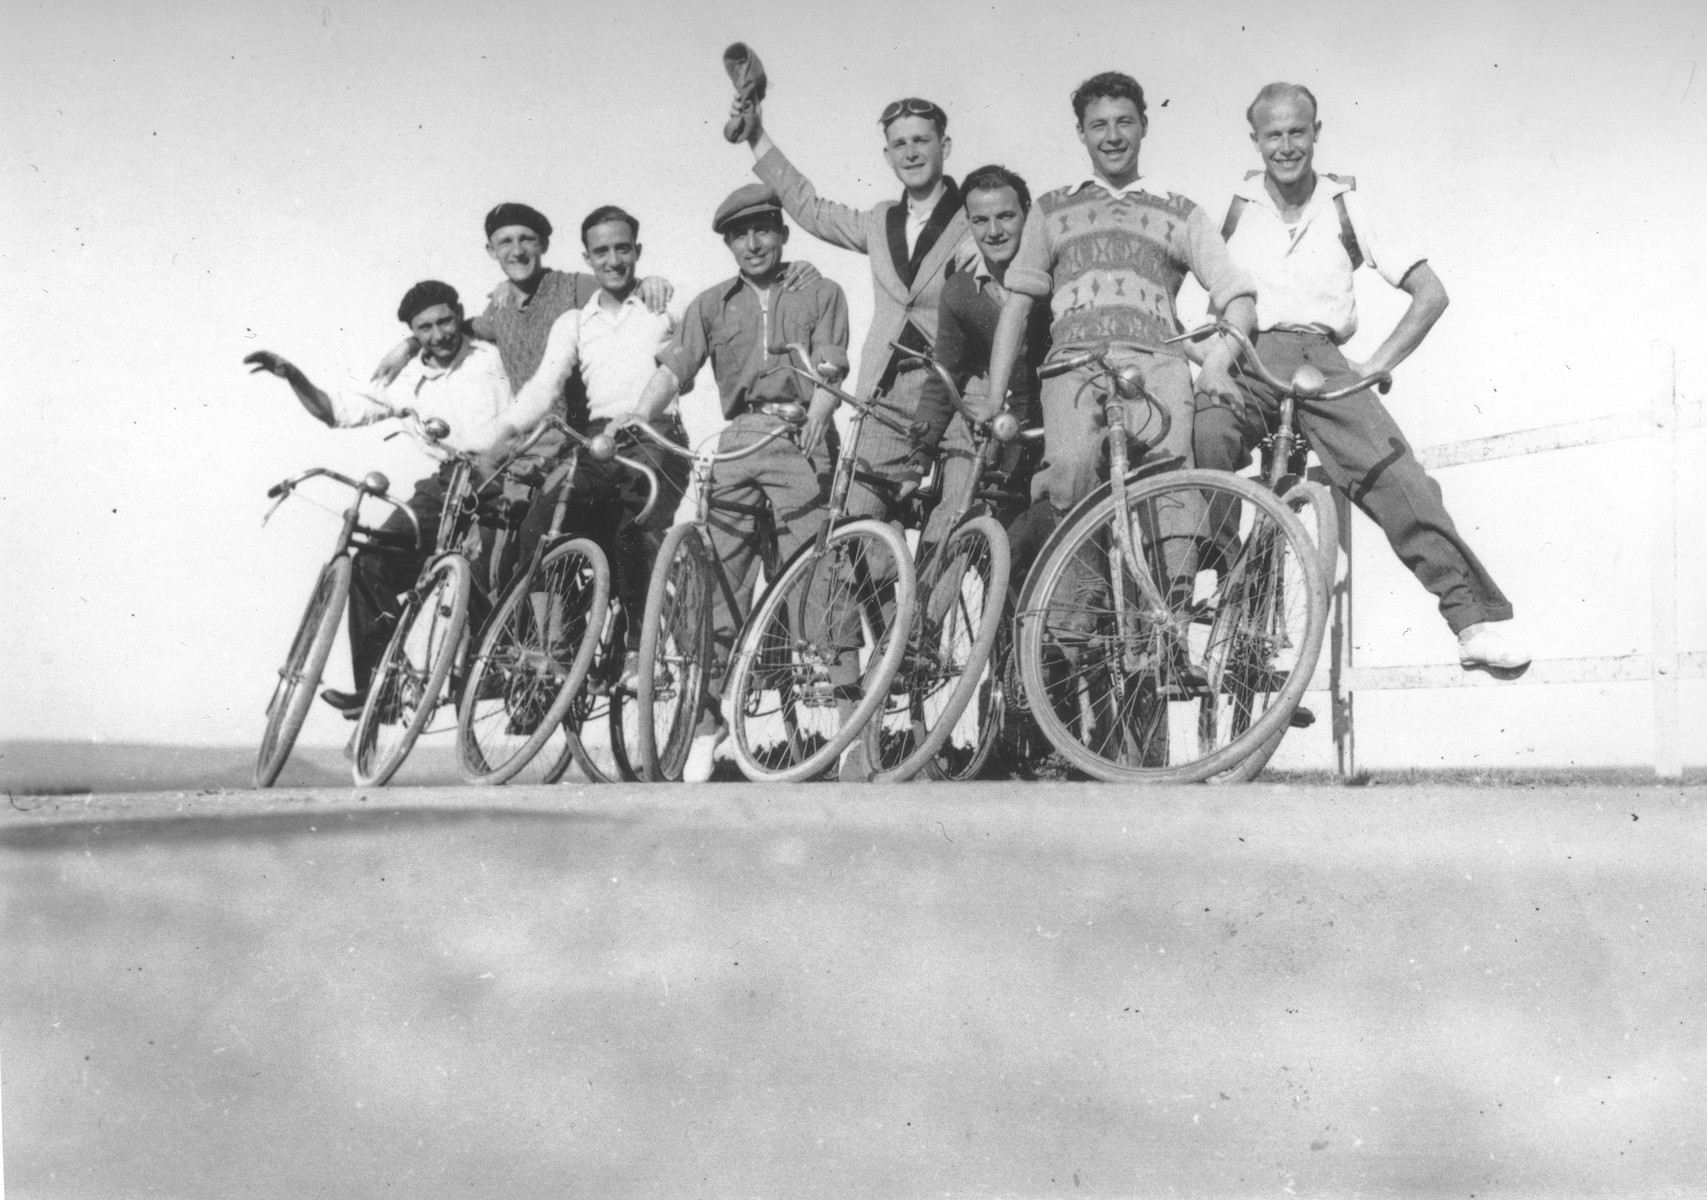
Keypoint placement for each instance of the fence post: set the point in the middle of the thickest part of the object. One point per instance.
(1340, 649)
(1668, 754)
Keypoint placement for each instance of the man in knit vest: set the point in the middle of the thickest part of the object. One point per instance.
(1113, 249)
(1301, 235)
(914, 244)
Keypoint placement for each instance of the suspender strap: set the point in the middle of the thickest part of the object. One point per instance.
(1348, 235)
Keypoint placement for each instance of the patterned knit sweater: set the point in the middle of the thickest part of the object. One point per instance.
(1114, 263)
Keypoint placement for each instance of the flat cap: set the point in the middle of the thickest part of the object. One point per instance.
(510, 213)
(746, 201)
(423, 296)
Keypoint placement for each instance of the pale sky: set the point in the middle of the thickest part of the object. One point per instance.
(183, 183)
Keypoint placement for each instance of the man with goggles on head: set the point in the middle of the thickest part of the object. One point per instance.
(914, 244)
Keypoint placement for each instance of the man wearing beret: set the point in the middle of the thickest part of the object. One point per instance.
(742, 326)
(457, 379)
(913, 244)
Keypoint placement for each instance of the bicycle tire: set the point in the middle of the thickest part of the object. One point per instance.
(1314, 505)
(786, 650)
(948, 664)
(602, 700)
(411, 676)
(294, 692)
(675, 654)
(1105, 696)
(534, 653)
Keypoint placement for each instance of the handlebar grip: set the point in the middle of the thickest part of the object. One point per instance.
(277, 490)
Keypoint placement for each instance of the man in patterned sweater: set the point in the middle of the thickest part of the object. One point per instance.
(1113, 249)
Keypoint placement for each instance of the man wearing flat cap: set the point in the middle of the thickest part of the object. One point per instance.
(742, 326)
(914, 244)
(456, 379)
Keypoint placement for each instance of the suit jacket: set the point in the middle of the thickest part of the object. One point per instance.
(907, 289)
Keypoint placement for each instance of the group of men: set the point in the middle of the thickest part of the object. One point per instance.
(983, 276)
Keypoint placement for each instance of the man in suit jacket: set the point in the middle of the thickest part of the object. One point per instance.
(914, 245)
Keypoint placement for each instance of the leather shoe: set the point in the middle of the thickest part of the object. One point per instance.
(348, 703)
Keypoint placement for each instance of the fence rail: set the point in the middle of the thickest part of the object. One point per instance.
(1664, 667)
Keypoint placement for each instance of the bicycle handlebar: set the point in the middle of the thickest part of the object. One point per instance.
(787, 430)
(1308, 382)
(373, 484)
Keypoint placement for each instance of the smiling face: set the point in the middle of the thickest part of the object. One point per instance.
(915, 152)
(997, 218)
(1284, 132)
(519, 250)
(612, 255)
(439, 330)
(1112, 132)
(757, 242)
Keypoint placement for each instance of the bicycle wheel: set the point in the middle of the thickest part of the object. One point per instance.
(930, 720)
(301, 672)
(600, 723)
(534, 653)
(675, 654)
(406, 686)
(816, 656)
(1155, 683)
(1314, 505)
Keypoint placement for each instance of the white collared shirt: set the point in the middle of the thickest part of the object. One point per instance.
(1301, 269)
(919, 215)
(468, 395)
(618, 352)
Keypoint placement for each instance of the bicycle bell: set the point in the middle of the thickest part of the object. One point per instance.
(602, 446)
(436, 428)
(794, 414)
(1308, 381)
(376, 483)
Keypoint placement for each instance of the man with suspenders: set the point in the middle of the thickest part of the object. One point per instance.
(1300, 234)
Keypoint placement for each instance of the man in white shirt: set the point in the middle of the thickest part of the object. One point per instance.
(456, 379)
(1300, 235)
(614, 340)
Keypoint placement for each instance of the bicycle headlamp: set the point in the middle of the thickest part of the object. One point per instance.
(1004, 427)
(436, 428)
(1129, 381)
(1308, 381)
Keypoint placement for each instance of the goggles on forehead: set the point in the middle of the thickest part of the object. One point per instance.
(912, 106)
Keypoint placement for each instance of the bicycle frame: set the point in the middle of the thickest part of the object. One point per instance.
(1118, 385)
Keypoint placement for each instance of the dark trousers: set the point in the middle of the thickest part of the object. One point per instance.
(606, 497)
(381, 575)
(1366, 458)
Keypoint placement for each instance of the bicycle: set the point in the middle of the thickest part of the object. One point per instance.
(814, 658)
(538, 658)
(430, 638)
(676, 651)
(293, 694)
(1282, 471)
(1132, 670)
(946, 705)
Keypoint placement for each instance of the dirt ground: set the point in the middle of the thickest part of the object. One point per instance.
(991, 990)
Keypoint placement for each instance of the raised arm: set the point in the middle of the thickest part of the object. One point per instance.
(835, 223)
(317, 402)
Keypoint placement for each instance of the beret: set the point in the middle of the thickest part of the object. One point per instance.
(510, 213)
(423, 296)
(746, 201)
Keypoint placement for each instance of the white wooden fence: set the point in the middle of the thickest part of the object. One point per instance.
(1663, 667)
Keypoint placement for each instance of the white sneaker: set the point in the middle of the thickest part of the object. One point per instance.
(1489, 646)
(702, 755)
